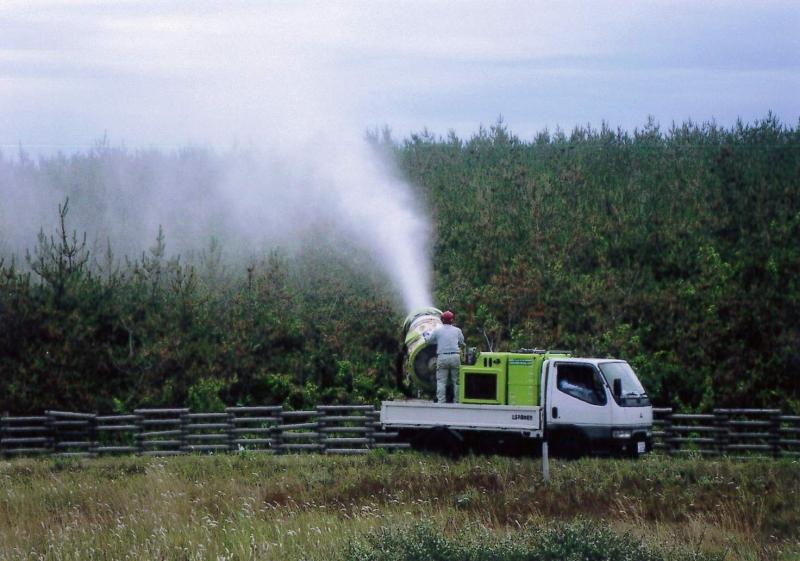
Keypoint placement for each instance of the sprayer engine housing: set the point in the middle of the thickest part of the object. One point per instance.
(504, 378)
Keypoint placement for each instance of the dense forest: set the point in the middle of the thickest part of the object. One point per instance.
(677, 249)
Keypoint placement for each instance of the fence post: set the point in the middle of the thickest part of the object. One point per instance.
(321, 424)
(138, 434)
(669, 444)
(184, 441)
(93, 443)
(279, 432)
(231, 425)
(371, 421)
(721, 436)
(51, 433)
(775, 433)
(2, 433)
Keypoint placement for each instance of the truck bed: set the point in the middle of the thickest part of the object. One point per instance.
(526, 420)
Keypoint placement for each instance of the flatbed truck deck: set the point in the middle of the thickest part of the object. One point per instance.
(526, 421)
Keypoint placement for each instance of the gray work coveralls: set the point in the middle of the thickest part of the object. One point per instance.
(448, 339)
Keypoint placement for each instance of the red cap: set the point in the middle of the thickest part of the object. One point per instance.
(448, 317)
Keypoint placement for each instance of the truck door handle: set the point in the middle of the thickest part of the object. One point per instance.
(555, 412)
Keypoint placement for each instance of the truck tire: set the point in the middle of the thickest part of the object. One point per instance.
(569, 444)
(448, 442)
(440, 440)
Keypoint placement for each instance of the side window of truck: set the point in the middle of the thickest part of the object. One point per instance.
(582, 382)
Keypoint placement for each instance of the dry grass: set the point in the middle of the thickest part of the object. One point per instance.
(294, 507)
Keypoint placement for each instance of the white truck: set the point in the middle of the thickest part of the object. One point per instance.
(513, 400)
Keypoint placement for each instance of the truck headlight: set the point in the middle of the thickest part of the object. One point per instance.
(621, 434)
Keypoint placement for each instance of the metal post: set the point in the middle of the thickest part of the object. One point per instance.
(545, 461)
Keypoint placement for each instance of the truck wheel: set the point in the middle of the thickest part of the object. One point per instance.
(569, 444)
(440, 440)
(448, 443)
(418, 439)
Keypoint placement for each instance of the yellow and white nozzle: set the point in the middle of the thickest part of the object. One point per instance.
(421, 357)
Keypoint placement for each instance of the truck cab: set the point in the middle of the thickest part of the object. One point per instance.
(587, 403)
(596, 403)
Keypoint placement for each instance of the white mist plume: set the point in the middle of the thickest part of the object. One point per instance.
(253, 200)
(261, 75)
(339, 185)
(380, 212)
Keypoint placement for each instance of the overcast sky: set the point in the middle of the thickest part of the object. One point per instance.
(168, 73)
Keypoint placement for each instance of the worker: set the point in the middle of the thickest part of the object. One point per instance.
(448, 340)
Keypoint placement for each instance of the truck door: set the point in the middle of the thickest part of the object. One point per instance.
(577, 400)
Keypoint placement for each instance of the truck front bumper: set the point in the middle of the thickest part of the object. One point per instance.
(632, 441)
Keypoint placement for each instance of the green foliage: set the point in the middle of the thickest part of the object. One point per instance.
(580, 540)
(676, 250)
(204, 395)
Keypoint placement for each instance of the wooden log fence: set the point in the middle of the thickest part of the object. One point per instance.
(738, 433)
(346, 430)
(328, 429)
(255, 429)
(72, 434)
(162, 432)
(118, 434)
(25, 436)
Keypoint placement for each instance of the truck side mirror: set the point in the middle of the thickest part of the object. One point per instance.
(617, 387)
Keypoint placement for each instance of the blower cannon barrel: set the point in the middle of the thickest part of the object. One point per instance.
(420, 356)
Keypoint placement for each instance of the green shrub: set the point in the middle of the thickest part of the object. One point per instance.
(205, 395)
(575, 541)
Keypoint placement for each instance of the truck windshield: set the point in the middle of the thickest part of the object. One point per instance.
(631, 387)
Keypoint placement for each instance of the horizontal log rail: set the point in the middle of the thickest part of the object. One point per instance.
(740, 433)
(328, 429)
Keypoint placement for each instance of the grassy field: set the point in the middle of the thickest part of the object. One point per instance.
(402, 506)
